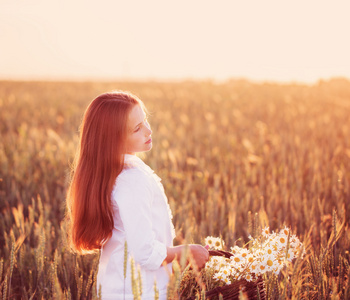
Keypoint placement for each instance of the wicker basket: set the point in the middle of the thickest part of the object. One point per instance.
(253, 290)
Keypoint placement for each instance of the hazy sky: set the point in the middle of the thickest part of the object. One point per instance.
(299, 40)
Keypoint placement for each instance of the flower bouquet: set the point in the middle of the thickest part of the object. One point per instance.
(240, 271)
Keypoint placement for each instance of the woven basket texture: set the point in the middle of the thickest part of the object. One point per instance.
(253, 290)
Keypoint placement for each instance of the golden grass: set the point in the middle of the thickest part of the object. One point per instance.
(233, 157)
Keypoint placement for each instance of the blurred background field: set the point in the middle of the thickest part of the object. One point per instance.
(232, 156)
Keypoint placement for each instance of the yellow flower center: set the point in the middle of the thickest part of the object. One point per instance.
(262, 267)
(269, 251)
(217, 243)
(244, 254)
(282, 240)
(269, 263)
(237, 259)
(250, 259)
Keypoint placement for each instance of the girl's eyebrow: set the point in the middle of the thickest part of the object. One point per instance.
(137, 125)
(140, 122)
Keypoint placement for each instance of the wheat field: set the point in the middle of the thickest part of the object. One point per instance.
(233, 157)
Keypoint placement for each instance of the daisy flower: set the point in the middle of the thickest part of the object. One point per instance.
(209, 241)
(226, 280)
(271, 262)
(244, 252)
(214, 242)
(285, 230)
(248, 277)
(269, 250)
(218, 244)
(226, 271)
(250, 258)
(218, 276)
(237, 259)
(281, 241)
(290, 255)
(266, 231)
(235, 249)
(261, 268)
(255, 268)
(217, 262)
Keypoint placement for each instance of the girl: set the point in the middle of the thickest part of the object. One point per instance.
(114, 197)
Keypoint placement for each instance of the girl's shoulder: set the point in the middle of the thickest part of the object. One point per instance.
(132, 174)
(135, 164)
(132, 180)
(135, 171)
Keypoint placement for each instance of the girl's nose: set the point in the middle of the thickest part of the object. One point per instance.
(148, 129)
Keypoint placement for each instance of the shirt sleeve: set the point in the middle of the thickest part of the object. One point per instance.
(133, 195)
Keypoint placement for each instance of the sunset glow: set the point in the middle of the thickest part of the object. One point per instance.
(258, 40)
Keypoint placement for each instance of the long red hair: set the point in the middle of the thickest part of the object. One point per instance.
(99, 160)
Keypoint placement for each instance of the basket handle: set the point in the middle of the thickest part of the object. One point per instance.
(220, 253)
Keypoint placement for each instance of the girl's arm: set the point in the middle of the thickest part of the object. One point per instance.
(198, 252)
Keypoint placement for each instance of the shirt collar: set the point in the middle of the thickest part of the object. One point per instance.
(132, 161)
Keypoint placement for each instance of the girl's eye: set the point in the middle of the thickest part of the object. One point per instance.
(138, 128)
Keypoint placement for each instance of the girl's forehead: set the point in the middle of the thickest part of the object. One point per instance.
(136, 116)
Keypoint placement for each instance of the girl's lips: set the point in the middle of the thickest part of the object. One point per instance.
(149, 141)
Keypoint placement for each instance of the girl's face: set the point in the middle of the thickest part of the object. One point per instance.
(139, 131)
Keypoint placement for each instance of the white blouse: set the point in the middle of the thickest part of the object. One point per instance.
(142, 218)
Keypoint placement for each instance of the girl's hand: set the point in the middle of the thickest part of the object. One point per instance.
(200, 255)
